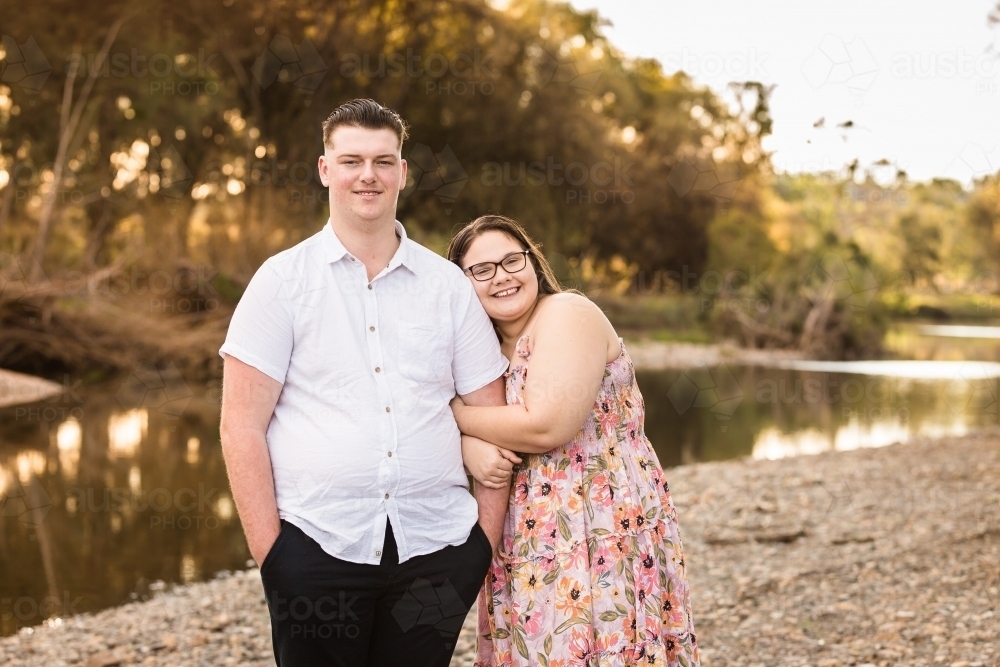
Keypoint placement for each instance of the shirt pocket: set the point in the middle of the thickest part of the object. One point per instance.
(425, 353)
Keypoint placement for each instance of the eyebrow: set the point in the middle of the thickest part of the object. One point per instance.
(392, 155)
(512, 252)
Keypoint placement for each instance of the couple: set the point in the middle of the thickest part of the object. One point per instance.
(365, 376)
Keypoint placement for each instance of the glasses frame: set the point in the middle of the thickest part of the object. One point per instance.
(497, 265)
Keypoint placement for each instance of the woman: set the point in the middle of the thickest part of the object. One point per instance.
(590, 570)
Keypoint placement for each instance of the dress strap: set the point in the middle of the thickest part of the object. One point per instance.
(523, 350)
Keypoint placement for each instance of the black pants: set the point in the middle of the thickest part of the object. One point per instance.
(327, 611)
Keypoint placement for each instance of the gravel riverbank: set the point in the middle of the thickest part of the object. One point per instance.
(876, 557)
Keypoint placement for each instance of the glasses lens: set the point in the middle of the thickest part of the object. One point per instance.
(483, 271)
(514, 262)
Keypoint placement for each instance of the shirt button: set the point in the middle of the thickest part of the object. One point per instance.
(371, 328)
(350, 258)
(369, 286)
(388, 409)
(390, 455)
(378, 370)
(387, 496)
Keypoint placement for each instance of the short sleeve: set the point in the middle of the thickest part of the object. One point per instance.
(478, 360)
(260, 333)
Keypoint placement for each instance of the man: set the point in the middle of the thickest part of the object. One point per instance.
(342, 452)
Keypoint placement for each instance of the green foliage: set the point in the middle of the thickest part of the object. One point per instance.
(200, 136)
(197, 143)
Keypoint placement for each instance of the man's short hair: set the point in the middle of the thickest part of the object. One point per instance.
(364, 113)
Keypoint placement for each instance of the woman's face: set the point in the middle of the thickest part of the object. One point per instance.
(505, 296)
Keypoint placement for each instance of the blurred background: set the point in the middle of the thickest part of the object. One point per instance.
(792, 214)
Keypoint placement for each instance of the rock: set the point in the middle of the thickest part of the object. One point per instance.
(922, 592)
(104, 659)
(784, 535)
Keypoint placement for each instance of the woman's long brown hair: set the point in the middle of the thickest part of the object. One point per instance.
(459, 246)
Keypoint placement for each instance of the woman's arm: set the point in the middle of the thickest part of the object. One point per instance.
(569, 347)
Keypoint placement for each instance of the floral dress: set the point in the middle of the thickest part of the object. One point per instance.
(590, 570)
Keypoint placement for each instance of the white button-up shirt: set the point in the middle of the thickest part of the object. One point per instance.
(362, 429)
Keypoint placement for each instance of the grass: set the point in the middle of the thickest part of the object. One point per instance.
(957, 306)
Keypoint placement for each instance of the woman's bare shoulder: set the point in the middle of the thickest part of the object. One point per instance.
(567, 310)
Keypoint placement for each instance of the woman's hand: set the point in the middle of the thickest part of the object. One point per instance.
(488, 464)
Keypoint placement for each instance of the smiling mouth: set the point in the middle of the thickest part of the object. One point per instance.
(507, 292)
(367, 193)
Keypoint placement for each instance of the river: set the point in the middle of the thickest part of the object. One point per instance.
(115, 489)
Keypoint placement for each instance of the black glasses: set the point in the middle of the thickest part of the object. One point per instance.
(512, 263)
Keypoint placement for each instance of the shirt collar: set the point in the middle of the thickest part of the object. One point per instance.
(334, 250)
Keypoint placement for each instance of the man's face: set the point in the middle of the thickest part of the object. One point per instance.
(364, 172)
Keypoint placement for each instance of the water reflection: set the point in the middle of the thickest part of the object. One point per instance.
(193, 449)
(126, 431)
(69, 439)
(775, 412)
(99, 501)
(943, 342)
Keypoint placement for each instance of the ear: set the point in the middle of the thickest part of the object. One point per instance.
(323, 167)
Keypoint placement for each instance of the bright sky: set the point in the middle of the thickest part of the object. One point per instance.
(916, 78)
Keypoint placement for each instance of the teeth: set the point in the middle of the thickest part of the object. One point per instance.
(506, 292)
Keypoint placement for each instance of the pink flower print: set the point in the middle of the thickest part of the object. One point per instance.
(521, 489)
(532, 623)
(571, 596)
(551, 474)
(528, 525)
(577, 457)
(603, 560)
(672, 611)
(623, 518)
(600, 490)
(607, 416)
(579, 645)
(646, 573)
(605, 642)
(574, 500)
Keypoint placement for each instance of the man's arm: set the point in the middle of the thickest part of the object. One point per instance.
(248, 400)
(492, 502)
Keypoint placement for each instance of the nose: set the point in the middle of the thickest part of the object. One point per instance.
(501, 276)
(368, 174)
